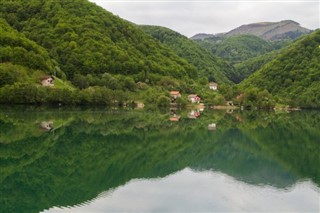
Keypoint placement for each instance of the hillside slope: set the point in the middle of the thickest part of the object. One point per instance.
(238, 48)
(208, 65)
(17, 49)
(249, 66)
(294, 75)
(86, 39)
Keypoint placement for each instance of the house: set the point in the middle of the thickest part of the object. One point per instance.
(175, 94)
(212, 127)
(229, 103)
(175, 118)
(47, 81)
(193, 114)
(240, 96)
(213, 86)
(194, 98)
(46, 125)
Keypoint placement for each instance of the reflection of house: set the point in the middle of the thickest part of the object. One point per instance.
(213, 86)
(47, 81)
(175, 94)
(46, 125)
(193, 114)
(230, 111)
(173, 115)
(200, 107)
(194, 98)
(175, 118)
(240, 97)
(229, 103)
(212, 127)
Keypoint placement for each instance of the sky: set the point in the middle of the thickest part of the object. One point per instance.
(190, 17)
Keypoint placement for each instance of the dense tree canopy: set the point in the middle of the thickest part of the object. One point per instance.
(209, 65)
(84, 38)
(294, 75)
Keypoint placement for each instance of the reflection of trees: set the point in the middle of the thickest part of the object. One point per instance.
(95, 151)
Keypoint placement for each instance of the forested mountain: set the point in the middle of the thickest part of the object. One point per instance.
(108, 59)
(294, 75)
(207, 63)
(17, 49)
(85, 39)
(238, 48)
(249, 66)
(248, 47)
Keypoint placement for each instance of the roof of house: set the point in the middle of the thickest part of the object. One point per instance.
(192, 96)
(174, 93)
(213, 84)
(175, 118)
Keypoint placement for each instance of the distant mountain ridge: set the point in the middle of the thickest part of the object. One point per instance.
(271, 30)
(286, 29)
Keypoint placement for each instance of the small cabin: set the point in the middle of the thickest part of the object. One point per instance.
(213, 86)
(47, 81)
(193, 114)
(212, 127)
(175, 118)
(175, 94)
(229, 103)
(46, 125)
(240, 97)
(194, 98)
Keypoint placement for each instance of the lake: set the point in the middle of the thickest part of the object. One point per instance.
(98, 160)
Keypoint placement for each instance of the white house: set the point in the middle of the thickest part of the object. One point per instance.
(194, 98)
(212, 127)
(47, 81)
(175, 94)
(213, 86)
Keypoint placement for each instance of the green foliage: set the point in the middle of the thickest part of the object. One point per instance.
(17, 49)
(9, 74)
(246, 52)
(236, 48)
(84, 38)
(163, 101)
(249, 66)
(293, 76)
(208, 65)
(93, 151)
(26, 93)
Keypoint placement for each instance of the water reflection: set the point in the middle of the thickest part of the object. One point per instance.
(190, 191)
(95, 151)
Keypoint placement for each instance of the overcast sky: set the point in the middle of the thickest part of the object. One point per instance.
(212, 16)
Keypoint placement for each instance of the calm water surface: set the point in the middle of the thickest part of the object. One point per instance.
(93, 160)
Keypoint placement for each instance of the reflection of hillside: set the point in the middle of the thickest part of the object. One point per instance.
(98, 151)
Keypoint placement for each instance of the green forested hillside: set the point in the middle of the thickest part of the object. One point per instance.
(108, 59)
(249, 66)
(237, 48)
(17, 49)
(208, 64)
(85, 39)
(294, 76)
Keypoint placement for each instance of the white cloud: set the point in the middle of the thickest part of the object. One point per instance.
(191, 17)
